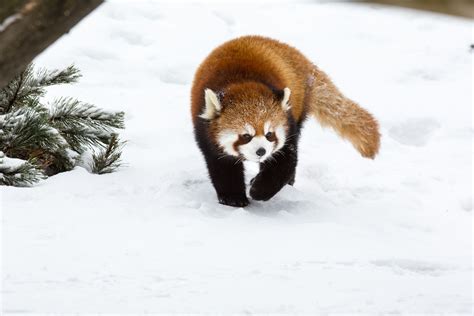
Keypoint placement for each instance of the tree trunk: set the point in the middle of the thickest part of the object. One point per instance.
(27, 27)
(464, 8)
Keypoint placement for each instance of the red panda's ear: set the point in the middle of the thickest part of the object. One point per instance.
(285, 99)
(213, 105)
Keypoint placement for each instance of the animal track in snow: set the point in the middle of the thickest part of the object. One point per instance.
(415, 266)
(176, 75)
(98, 54)
(415, 131)
(230, 21)
(132, 38)
(466, 203)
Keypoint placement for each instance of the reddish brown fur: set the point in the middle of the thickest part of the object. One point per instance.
(248, 103)
(269, 63)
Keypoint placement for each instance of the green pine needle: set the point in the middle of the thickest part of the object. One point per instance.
(108, 160)
(84, 125)
(53, 137)
(46, 78)
(22, 175)
(29, 86)
(25, 130)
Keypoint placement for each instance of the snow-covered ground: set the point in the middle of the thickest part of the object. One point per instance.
(392, 235)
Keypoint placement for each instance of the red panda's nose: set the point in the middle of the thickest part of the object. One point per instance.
(260, 152)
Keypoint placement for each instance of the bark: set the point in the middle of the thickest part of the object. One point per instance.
(464, 8)
(27, 27)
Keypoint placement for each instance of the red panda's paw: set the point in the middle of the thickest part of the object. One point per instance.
(262, 190)
(290, 182)
(233, 200)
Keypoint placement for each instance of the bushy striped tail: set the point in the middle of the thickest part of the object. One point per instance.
(331, 108)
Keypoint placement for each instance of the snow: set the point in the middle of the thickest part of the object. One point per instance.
(393, 235)
(9, 164)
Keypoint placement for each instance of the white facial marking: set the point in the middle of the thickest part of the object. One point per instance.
(281, 137)
(249, 130)
(227, 139)
(266, 127)
(213, 105)
(286, 97)
(249, 150)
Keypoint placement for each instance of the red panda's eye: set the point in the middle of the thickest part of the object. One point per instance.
(246, 137)
(269, 136)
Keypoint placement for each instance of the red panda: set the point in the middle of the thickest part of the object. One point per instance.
(249, 100)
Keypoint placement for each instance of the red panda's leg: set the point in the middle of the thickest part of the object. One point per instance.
(275, 173)
(290, 182)
(227, 176)
(292, 179)
(226, 172)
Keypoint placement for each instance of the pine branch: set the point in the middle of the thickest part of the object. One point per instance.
(68, 107)
(108, 160)
(17, 173)
(52, 138)
(28, 87)
(82, 124)
(26, 130)
(21, 91)
(56, 162)
(9, 94)
(46, 77)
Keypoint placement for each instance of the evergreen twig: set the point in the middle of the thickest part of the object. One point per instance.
(29, 86)
(24, 174)
(82, 124)
(53, 137)
(46, 77)
(108, 160)
(25, 130)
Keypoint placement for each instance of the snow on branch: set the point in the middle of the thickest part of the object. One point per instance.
(53, 137)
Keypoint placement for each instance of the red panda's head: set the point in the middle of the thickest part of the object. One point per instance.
(248, 120)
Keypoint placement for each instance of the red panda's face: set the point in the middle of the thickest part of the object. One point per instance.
(252, 127)
(251, 140)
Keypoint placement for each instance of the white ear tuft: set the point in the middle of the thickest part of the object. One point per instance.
(286, 97)
(213, 105)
